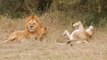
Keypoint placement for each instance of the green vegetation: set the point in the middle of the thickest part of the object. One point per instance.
(88, 11)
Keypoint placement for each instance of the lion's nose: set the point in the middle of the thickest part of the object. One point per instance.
(31, 26)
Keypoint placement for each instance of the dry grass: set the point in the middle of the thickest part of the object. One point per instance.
(50, 49)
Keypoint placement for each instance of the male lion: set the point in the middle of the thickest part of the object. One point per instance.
(34, 29)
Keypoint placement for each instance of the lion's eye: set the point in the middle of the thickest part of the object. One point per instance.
(33, 23)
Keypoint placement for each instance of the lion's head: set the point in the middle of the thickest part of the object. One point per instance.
(35, 26)
(32, 24)
(90, 30)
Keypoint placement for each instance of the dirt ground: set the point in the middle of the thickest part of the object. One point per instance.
(50, 48)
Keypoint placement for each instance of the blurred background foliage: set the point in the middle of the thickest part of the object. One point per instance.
(91, 11)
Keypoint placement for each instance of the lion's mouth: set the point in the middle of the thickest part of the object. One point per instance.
(31, 30)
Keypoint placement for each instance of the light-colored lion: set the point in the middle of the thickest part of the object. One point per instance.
(34, 29)
(80, 34)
